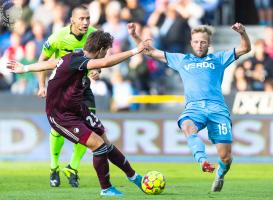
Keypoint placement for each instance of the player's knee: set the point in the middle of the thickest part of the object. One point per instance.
(188, 128)
(226, 157)
(94, 141)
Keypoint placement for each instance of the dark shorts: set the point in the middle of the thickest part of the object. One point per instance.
(76, 127)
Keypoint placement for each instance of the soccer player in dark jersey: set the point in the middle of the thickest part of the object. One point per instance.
(68, 39)
(68, 114)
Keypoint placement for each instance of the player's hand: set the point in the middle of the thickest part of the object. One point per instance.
(94, 74)
(148, 47)
(131, 29)
(15, 67)
(142, 45)
(41, 92)
(238, 27)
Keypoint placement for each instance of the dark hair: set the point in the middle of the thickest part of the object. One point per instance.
(98, 40)
(79, 7)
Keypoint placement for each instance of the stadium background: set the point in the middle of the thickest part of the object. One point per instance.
(146, 132)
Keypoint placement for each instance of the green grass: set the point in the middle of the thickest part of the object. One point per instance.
(29, 181)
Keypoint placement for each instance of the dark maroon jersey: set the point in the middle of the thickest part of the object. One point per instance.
(67, 84)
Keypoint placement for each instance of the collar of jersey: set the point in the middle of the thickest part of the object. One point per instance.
(78, 37)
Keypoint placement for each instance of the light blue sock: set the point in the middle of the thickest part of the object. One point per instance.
(223, 168)
(197, 148)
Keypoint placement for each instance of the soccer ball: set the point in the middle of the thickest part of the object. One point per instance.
(153, 183)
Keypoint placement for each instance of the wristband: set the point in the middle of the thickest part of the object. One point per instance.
(134, 51)
(25, 68)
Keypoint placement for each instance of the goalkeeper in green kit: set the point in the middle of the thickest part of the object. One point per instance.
(68, 39)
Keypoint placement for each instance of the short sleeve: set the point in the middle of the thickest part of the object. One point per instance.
(50, 46)
(79, 63)
(226, 57)
(174, 60)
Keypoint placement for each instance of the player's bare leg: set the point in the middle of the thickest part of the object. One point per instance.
(196, 145)
(224, 152)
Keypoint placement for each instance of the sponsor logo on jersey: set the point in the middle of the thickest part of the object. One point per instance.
(199, 65)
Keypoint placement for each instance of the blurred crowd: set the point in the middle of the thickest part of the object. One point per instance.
(256, 72)
(167, 22)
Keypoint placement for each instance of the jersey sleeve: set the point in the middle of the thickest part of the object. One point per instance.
(226, 57)
(79, 63)
(51, 45)
(174, 60)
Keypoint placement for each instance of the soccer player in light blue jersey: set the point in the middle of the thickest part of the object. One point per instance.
(202, 76)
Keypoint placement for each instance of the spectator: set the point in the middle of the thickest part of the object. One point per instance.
(26, 83)
(39, 37)
(23, 30)
(210, 7)
(133, 12)
(26, 10)
(265, 12)
(268, 85)
(15, 52)
(59, 18)
(240, 81)
(189, 10)
(139, 74)
(169, 24)
(259, 66)
(122, 91)
(97, 12)
(261, 57)
(268, 38)
(118, 29)
(258, 77)
(114, 25)
(45, 12)
(4, 41)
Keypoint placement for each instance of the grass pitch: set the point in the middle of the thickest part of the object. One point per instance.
(30, 181)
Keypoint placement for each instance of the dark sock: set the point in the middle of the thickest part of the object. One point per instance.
(101, 166)
(118, 159)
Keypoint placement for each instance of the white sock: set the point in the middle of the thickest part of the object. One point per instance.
(133, 177)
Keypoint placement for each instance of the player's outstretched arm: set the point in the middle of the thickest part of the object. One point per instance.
(19, 68)
(150, 51)
(245, 45)
(155, 53)
(42, 78)
(131, 27)
(116, 58)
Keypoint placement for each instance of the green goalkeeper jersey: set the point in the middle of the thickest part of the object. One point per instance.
(63, 42)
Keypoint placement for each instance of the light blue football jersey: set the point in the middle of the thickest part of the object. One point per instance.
(202, 77)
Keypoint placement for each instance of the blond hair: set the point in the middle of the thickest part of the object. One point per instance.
(202, 29)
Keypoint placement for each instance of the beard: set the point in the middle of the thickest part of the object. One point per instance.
(200, 55)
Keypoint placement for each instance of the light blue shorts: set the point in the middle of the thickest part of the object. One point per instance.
(214, 116)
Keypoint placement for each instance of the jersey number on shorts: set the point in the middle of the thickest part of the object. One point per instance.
(93, 120)
(222, 129)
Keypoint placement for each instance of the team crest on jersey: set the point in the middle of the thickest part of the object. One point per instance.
(76, 130)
